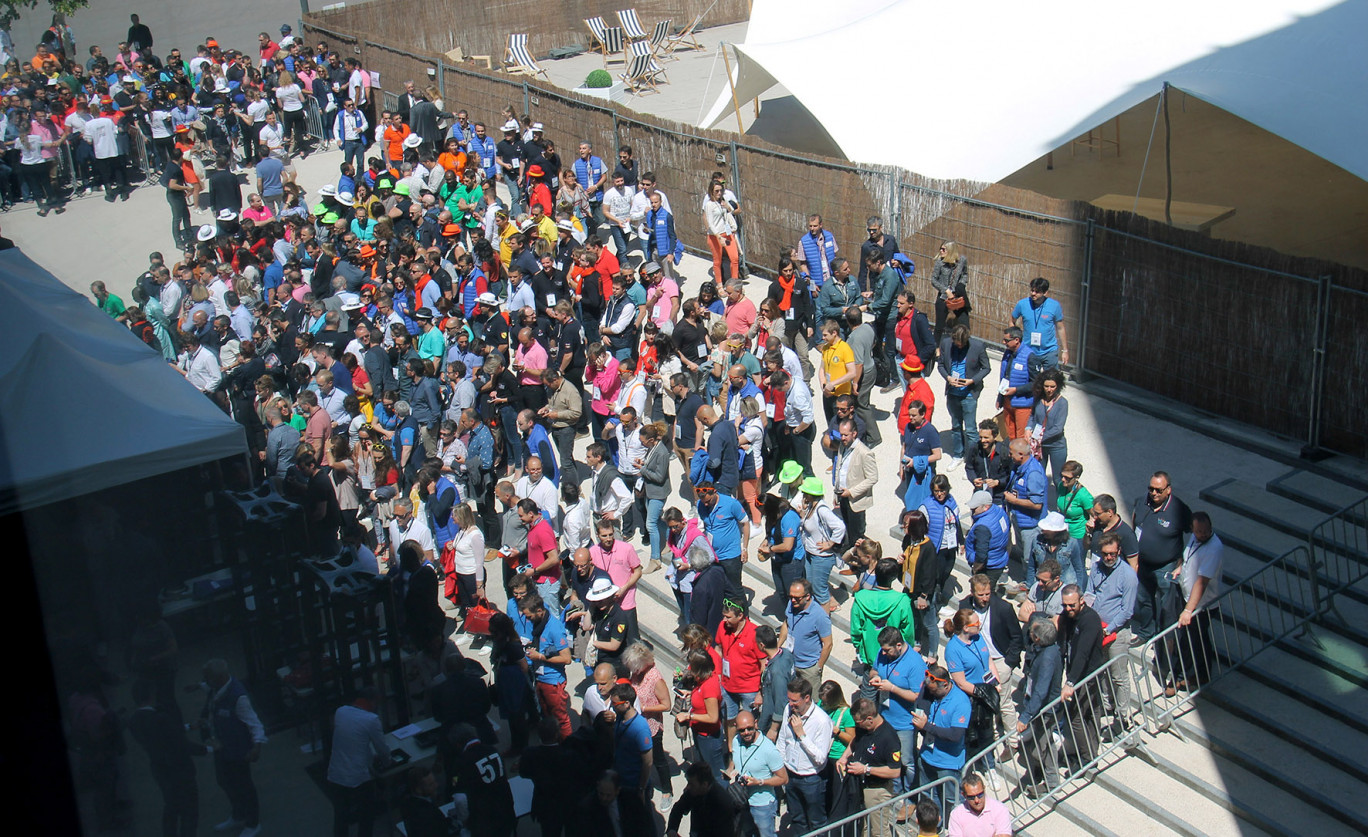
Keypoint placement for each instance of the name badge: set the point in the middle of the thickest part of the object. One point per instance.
(788, 315)
(550, 300)
(679, 431)
(488, 161)
(702, 350)
(1035, 338)
(598, 396)
(897, 345)
(726, 669)
(769, 411)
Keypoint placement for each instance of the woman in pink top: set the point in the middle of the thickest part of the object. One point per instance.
(602, 382)
(653, 694)
(257, 211)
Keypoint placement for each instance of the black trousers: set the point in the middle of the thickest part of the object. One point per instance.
(180, 802)
(112, 176)
(564, 440)
(182, 230)
(234, 777)
(854, 521)
(353, 806)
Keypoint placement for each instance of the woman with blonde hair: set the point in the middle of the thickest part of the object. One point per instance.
(653, 693)
(290, 97)
(950, 276)
(464, 564)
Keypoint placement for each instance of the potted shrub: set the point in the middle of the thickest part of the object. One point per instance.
(599, 85)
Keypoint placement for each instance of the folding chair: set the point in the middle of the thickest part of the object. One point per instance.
(659, 36)
(612, 46)
(519, 61)
(686, 39)
(640, 77)
(631, 25)
(596, 34)
(643, 48)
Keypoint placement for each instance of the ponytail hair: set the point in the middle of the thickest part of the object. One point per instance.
(954, 626)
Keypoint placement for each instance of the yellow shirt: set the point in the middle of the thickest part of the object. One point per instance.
(834, 360)
(546, 228)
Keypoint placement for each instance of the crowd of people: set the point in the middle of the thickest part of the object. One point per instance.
(417, 349)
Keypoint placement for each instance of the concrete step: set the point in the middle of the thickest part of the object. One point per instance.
(1292, 768)
(1314, 490)
(1163, 799)
(1293, 592)
(1264, 543)
(1289, 516)
(1341, 746)
(1262, 805)
(1098, 811)
(1063, 822)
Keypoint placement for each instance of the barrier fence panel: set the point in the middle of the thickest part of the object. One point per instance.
(944, 790)
(1064, 742)
(1339, 547)
(1266, 607)
(313, 124)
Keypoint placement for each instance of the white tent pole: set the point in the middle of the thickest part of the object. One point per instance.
(736, 106)
(1153, 125)
(703, 105)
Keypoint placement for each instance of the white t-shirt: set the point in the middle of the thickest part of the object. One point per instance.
(417, 530)
(290, 97)
(30, 150)
(258, 110)
(161, 123)
(1202, 559)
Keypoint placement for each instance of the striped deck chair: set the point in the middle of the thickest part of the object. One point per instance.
(596, 36)
(643, 48)
(659, 36)
(639, 77)
(519, 61)
(686, 39)
(612, 46)
(631, 25)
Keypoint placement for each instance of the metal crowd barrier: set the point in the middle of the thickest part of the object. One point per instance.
(858, 824)
(141, 156)
(313, 124)
(1065, 742)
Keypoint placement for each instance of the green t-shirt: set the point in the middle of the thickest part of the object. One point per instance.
(1074, 506)
(841, 720)
(470, 196)
(298, 422)
(113, 306)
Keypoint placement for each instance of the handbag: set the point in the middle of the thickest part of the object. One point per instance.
(955, 303)
(477, 618)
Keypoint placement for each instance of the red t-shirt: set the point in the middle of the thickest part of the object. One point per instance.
(742, 659)
(710, 688)
(540, 540)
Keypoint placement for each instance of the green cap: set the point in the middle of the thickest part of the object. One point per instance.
(813, 486)
(402, 188)
(331, 218)
(384, 183)
(319, 208)
(790, 471)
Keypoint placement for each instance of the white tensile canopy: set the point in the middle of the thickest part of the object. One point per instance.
(84, 404)
(977, 89)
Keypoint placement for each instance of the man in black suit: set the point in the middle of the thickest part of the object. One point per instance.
(422, 612)
(1002, 631)
(162, 735)
(1080, 634)
(963, 364)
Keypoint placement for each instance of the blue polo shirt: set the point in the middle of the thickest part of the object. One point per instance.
(631, 740)
(950, 711)
(806, 630)
(723, 525)
(790, 526)
(1038, 323)
(553, 641)
(970, 658)
(905, 672)
(1029, 483)
(920, 441)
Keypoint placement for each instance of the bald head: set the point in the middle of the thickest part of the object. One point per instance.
(582, 560)
(707, 415)
(1021, 450)
(604, 677)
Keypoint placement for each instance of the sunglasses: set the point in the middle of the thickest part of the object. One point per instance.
(934, 679)
(745, 729)
(978, 795)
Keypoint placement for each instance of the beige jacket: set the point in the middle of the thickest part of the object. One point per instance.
(862, 477)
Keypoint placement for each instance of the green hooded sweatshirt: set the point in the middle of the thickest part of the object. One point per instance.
(875, 610)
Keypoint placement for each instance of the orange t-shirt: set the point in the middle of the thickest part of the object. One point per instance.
(452, 162)
(188, 171)
(395, 140)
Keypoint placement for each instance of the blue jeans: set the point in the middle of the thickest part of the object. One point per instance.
(1049, 359)
(819, 573)
(806, 802)
(764, 818)
(653, 527)
(785, 573)
(619, 241)
(512, 438)
(550, 593)
(1078, 566)
(908, 780)
(682, 599)
(1026, 539)
(355, 149)
(709, 749)
(945, 795)
(963, 423)
(625, 353)
(515, 204)
(1055, 455)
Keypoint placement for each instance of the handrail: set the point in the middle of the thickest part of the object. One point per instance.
(858, 819)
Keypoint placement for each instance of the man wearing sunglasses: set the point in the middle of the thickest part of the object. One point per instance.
(1080, 635)
(979, 814)
(759, 768)
(1161, 521)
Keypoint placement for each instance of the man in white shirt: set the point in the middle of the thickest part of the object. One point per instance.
(609, 497)
(199, 366)
(804, 741)
(272, 135)
(407, 526)
(358, 746)
(641, 207)
(103, 137)
(617, 211)
(632, 393)
(1199, 573)
(534, 486)
(631, 454)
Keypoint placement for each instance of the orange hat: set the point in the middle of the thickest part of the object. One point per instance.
(211, 43)
(105, 100)
(183, 129)
(451, 229)
(367, 251)
(912, 363)
(535, 171)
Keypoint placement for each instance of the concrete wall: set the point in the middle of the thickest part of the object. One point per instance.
(174, 23)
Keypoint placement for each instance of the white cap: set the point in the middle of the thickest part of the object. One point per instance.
(1053, 522)
(980, 498)
(602, 588)
(510, 125)
(412, 141)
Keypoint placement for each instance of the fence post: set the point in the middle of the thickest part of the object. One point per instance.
(895, 204)
(1318, 349)
(1084, 298)
(527, 98)
(441, 79)
(744, 267)
(617, 138)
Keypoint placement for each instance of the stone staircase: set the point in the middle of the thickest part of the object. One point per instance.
(1280, 745)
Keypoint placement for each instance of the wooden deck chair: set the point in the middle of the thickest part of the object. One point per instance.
(612, 46)
(687, 39)
(596, 35)
(631, 25)
(640, 78)
(643, 48)
(659, 37)
(519, 61)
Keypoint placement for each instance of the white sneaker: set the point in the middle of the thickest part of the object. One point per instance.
(992, 783)
(229, 824)
(664, 803)
(256, 829)
(955, 463)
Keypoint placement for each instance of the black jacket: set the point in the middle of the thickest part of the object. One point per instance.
(1004, 627)
(998, 466)
(976, 366)
(705, 603)
(1081, 638)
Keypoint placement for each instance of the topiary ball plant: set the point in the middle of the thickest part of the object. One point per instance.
(598, 78)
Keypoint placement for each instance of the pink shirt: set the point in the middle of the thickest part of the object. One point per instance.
(258, 215)
(603, 388)
(540, 540)
(993, 821)
(619, 564)
(740, 317)
(668, 290)
(533, 358)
